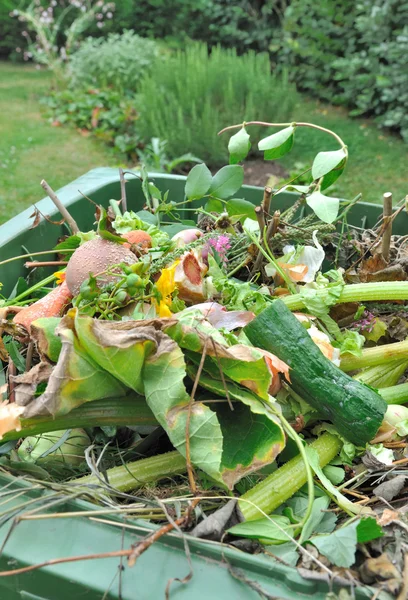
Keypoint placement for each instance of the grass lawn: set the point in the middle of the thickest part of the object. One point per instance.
(377, 161)
(30, 149)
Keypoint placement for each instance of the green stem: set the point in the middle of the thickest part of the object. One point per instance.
(372, 357)
(115, 208)
(294, 124)
(119, 412)
(32, 289)
(271, 259)
(358, 292)
(286, 481)
(396, 394)
(136, 474)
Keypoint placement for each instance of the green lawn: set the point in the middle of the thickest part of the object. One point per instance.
(377, 161)
(31, 149)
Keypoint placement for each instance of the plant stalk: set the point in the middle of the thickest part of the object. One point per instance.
(358, 292)
(136, 474)
(120, 412)
(383, 376)
(372, 357)
(286, 481)
(396, 394)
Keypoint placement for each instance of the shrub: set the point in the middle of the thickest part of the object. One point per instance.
(190, 96)
(107, 114)
(352, 53)
(117, 61)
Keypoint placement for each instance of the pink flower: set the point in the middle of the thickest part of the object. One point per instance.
(221, 244)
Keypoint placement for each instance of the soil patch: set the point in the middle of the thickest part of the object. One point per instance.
(260, 172)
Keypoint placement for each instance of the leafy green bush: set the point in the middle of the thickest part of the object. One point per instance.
(117, 61)
(189, 97)
(107, 114)
(352, 53)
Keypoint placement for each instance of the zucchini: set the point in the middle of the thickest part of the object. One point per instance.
(356, 410)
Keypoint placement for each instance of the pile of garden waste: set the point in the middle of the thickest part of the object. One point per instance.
(241, 370)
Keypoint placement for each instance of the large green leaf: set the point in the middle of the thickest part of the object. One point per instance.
(118, 347)
(243, 364)
(239, 146)
(227, 181)
(163, 377)
(198, 182)
(278, 144)
(75, 379)
(253, 436)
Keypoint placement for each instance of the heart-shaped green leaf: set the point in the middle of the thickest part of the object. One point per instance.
(227, 181)
(239, 146)
(198, 182)
(324, 207)
(277, 144)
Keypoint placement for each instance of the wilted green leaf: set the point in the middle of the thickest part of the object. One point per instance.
(243, 364)
(278, 144)
(48, 342)
(241, 208)
(198, 182)
(166, 395)
(261, 437)
(75, 379)
(276, 527)
(340, 546)
(239, 146)
(227, 181)
(324, 207)
(119, 347)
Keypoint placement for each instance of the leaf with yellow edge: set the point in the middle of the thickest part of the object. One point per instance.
(75, 379)
(119, 347)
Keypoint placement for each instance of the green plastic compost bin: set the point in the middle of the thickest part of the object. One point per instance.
(217, 572)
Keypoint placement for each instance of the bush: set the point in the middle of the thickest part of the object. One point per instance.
(189, 97)
(117, 61)
(107, 114)
(352, 53)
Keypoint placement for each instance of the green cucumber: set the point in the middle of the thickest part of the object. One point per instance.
(356, 410)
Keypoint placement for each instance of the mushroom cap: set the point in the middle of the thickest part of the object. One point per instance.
(95, 257)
